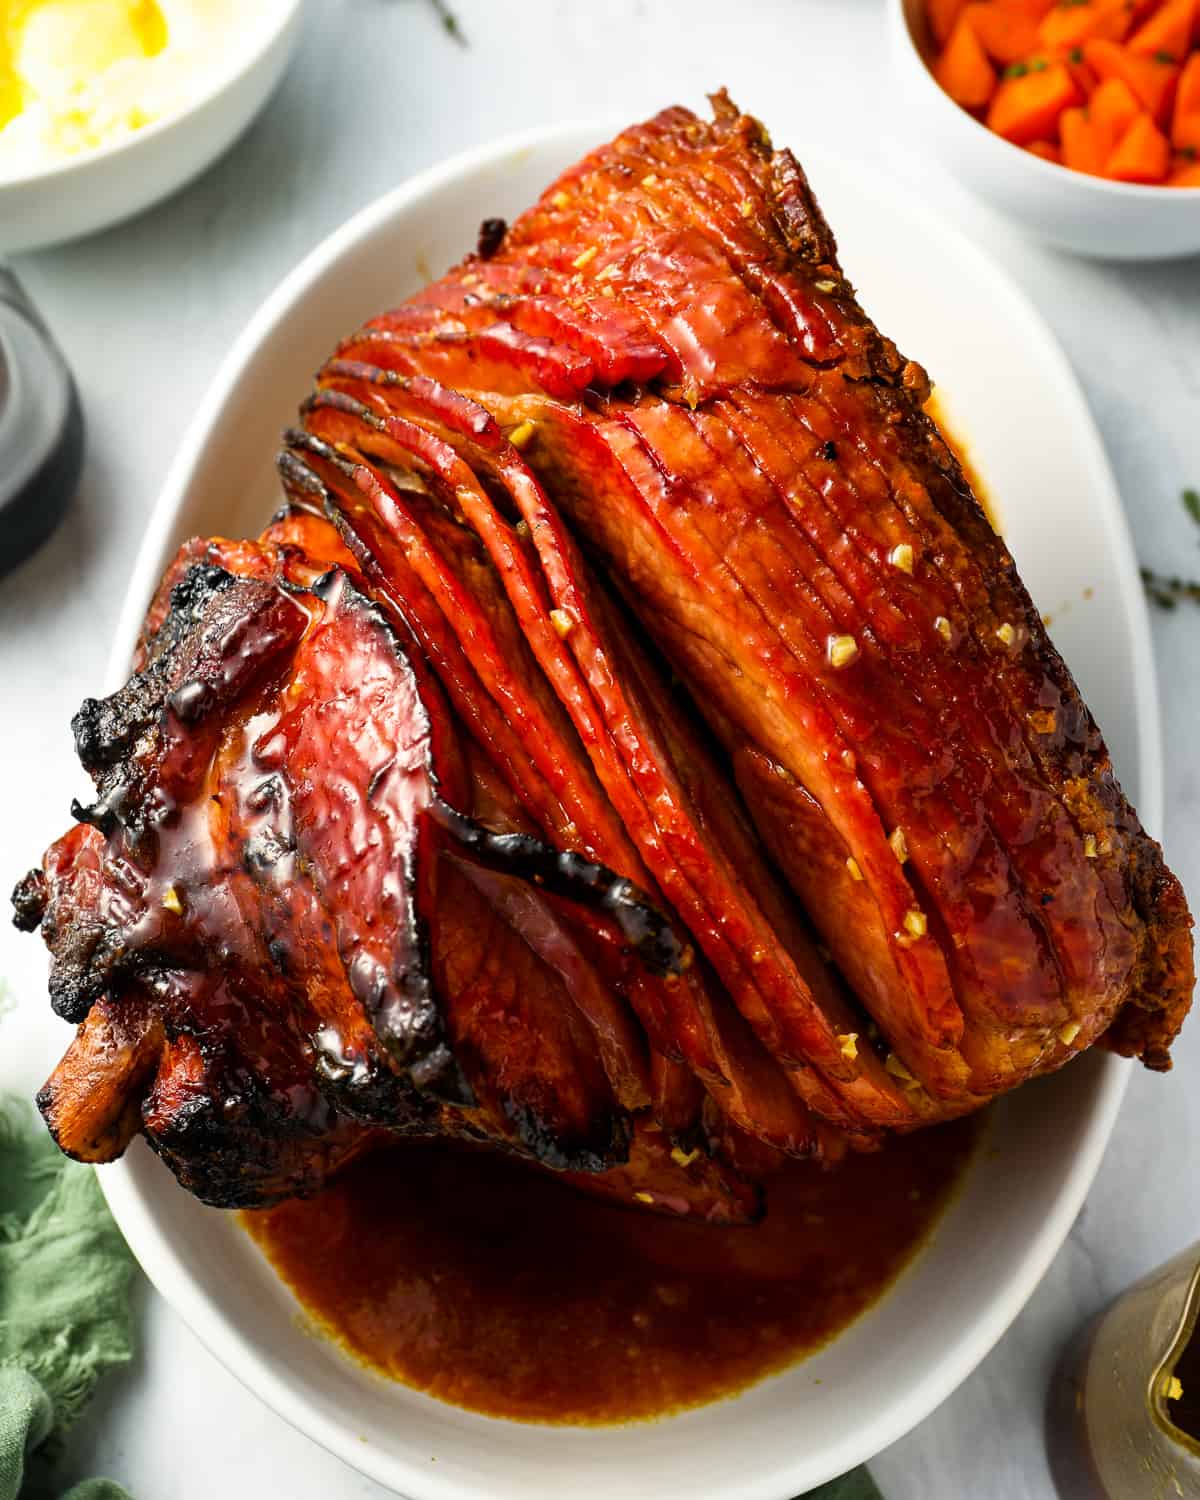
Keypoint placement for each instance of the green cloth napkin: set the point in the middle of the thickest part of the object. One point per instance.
(857, 1485)
(64, 1302)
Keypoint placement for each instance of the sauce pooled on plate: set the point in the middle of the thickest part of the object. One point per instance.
(489, 1285)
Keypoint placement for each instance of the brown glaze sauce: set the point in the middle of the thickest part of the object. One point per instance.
(490, 1285)
(935, 409)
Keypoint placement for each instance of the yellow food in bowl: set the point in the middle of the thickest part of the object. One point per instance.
(79, 74)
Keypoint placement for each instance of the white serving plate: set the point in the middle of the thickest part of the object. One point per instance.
(97, 188)
(1006, 384)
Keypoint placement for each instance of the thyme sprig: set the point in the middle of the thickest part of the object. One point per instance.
(1165, 590)
(450, 22)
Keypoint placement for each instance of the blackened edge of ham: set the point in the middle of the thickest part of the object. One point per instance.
(226, 980)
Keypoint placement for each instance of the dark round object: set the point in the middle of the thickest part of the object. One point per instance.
(41, 429)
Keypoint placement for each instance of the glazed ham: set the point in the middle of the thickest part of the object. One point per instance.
(631, 747)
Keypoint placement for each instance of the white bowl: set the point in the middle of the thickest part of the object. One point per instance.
(98, 188)
(1011, 389)
(1089, 215)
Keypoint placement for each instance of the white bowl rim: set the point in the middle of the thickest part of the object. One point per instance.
(154, 1250)
(1101, 186)
(234, 67)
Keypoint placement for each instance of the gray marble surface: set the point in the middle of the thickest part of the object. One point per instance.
(145, 312)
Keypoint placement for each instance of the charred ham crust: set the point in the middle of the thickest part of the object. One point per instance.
(229, 640)
(30, 898)
(234, 1139)
(546, 1144)
(564, 873)
(106, 730)
(491, 237)
(1161, 994)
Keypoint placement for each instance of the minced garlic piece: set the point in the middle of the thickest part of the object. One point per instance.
(902, 557)
(644, 1197)
(897, 1069)
(650, 180)
(899, 844)
(853, 868)
(1089, 846)
(561, 199)
(1043, 721)
(563, 621)
(915, 923)
(683, 1158)
(825, 286)
(1006, 633)
(523, 527)
(746, 208)
(585, 257)
(1068, 1033)
(848, 1044)
(519, 436)
(843, 649)
(171, 901)
(942, 626)
(1174, 1388)
(849, 760)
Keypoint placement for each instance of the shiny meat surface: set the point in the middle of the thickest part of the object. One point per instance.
(631, 746)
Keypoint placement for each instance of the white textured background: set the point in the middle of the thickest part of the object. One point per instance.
(145, 312)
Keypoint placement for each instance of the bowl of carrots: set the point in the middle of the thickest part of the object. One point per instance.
(1078, 118)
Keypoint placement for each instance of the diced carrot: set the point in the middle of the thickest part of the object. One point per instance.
(963, 69)
(1006, 29)
(1185, 127)
(1167, 33)
(1143, 154)
(1080, 150)
(1151, 80)
(1047, 150)
(1073, 22)
(942, 16)
(1186, 175)
(1111, 110)
(1085, 80)
(1026, 108)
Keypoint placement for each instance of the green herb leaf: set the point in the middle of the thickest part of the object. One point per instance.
(449, 21)
(1163, 56)
(1016, 70)
(1191, 503)
(1167, 592)
(1075, 55)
